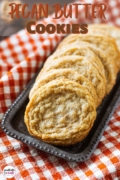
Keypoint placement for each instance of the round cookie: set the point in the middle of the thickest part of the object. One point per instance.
(60, 113)
(83, 67)
(64, 74)
(74, 49)
(104, 47)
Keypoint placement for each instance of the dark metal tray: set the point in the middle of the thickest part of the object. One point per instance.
(13, 125)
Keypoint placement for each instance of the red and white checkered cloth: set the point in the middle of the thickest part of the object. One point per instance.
(20, 57)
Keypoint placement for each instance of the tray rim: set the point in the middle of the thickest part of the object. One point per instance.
(36, 143)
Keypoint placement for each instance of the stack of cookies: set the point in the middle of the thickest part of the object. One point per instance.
(72, 85)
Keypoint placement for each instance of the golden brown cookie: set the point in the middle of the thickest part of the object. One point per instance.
(64, 74)
(81, 66)
(104, 48)
(60, 113)
(108, 29)
(74, 49)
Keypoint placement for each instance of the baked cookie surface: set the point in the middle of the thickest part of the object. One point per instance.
(108, 29)
(83, 67)
(79, 50)
(60, 113)
(104, 47)
(64, 74)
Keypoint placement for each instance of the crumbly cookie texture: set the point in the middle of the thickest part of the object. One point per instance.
(83, 67)
(107, 29)
(110, 31)
(104, 47)
(65, 74)
(79, 50)
(60, 112)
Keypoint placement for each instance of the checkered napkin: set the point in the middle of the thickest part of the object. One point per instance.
(20, 57)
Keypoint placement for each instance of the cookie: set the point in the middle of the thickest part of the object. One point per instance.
(60, 113)
(74, 49)
(64, 74)
(104, 48)
(81, 66)
(107, 29)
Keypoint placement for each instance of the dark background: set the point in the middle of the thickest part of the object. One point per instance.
(9, 28)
